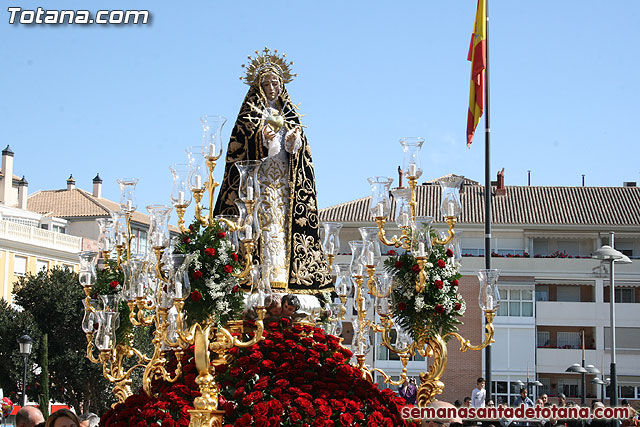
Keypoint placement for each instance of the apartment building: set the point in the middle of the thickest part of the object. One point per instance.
(552, 291)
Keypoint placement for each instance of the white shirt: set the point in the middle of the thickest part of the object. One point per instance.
(477, 397)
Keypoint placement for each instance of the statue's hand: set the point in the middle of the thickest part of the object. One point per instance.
(292, 141)
(268, 134)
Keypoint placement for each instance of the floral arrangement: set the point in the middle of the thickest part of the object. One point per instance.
(435, 310)
(297, 376)
(215, 292)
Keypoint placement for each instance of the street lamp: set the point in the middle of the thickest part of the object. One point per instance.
(602, 383)
(25, 343)
(609, 254)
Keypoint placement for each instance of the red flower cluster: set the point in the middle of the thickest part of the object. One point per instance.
(197, 275)
(196, 296)
(210, 251)
(296, 376)
(234, 256)
(455, 282)
(222, 234)
(449, 253)
(113, 284)
(228, 269)
(415, 268)
(441, 263)
(438, 284)
(398, 265)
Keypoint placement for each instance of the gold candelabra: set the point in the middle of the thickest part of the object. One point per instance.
(155, 296)
(416, 237)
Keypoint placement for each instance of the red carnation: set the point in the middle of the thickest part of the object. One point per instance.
(113, 284)
(438, 284)
(415, 268)
(449, 253)
(235, 289)
(228, 268)
(458, 306)
(197, 274)
(210, 251)
(222, 234)
(234, 256)
(441, 263)
(196, 296)
(402, 306)
(455, 282)
(186, 239)
(439, 308)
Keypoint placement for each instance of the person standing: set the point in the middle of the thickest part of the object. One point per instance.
(29, 416)
(479, 394)
(523, 399)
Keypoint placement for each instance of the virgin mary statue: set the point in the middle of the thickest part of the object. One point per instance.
(268, 128)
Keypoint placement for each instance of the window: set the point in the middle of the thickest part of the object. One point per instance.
(67, 267)
(568, 386)
(139, 244)
(628, 338)
(516, 302)
(42, 265)
(542, 293)
(568, 293)
(625, 295)
(543, 339)
(58, 229)
(19, 265)
(569, 340)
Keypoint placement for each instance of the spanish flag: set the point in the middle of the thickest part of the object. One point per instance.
(478, 58)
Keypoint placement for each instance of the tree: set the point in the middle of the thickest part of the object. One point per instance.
(14, 324)
(53, 299)
(44, 376)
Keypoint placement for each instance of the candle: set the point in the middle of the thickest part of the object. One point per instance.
(330, 247)
(248, 231)
(212, 150)
(370, 258)
(250, 193)
(180, 197)
(421, 251)
(129, 205)
(403, 219)
(379, 210)
(413, 170)
(198, 183)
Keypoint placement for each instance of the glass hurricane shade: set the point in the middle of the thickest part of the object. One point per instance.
(371, 254)
(108, 322)
(331, 238)
(489, 297)
(179, 284)
(128, 201)
(212, 135)
(106, 238)
(402, 196)
(411, 160)
(120, 230)
(249, 188)
(357, 268)
(450, 205)
(198, 172)
(24, 344)
(180, 191)
(421, 236)
(249, 224)
(87, 269)
(380, 204)
(343, 285)
(159, 226)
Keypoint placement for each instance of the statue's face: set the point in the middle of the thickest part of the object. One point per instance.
(271, 86)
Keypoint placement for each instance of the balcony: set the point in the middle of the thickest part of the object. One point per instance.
(557, 359)
(25, 234)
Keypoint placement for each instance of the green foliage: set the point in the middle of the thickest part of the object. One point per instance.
(52, 300)
(215, 292)
(435, 310)
(14, 324)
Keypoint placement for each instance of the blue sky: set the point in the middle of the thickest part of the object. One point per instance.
(124, 101)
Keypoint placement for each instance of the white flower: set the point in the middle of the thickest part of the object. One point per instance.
(419, 302)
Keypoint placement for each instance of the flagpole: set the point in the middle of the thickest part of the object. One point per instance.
(487, 198)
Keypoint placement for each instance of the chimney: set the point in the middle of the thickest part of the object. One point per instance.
(23, 188)
(500, 189)
(629, 184)
(97, 186)
(71, 183)
(7, 179)
(583, 180)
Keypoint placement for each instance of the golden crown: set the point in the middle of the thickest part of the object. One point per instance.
(268, 60)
